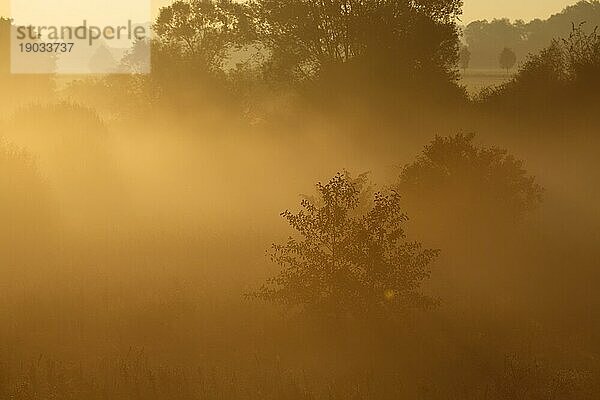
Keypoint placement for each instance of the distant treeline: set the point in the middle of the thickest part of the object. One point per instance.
(486, 39)
(267, 62)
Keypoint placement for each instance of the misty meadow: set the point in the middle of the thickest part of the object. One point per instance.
(307, 200)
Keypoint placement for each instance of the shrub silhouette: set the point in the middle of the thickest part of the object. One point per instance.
(462, 179)
(199, 32)
(307, 37)
(346, 261)
(562, 78)
(485, 36)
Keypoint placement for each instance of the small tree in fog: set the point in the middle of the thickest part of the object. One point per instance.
(455, 177)
(508, 59)
(350, 255)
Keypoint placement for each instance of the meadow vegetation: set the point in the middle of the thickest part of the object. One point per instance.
(437, 245)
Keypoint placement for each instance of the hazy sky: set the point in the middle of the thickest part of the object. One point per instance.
(474, 9)
(513, 9)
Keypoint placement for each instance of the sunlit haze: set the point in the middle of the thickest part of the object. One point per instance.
(300, 200)
(473, 9)
(513, 9)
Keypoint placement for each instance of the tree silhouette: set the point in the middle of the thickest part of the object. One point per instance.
(199, 31)
(508, 59)
(484, 37)
(102, 61)
(307, 37)
(458, 178)
(562, 78)
(350, 257)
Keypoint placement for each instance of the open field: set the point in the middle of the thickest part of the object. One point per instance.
(476, 79)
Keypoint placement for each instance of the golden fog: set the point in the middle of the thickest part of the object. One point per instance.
(137, 213)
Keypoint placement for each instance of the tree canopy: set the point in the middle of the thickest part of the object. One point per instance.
(564, 77)
(349, 257)
(462, 178)
(200, 31)
(307, 37)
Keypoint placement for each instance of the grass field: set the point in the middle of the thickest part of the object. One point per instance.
(477, 79)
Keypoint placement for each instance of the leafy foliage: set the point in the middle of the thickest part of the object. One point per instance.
(348, 262)
(563, 77)
(487, 38)
(454, 170)
(307, 37)
(199, 31)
